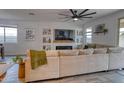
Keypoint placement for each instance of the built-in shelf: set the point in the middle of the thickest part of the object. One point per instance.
(49, 42)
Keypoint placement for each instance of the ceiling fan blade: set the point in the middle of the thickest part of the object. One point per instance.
(81, 19)
(83, 11)
(65, 15)
(67, 19)
(72, 12)
(86, 17)
(88, 14)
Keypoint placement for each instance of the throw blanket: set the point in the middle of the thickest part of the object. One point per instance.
(38, 58)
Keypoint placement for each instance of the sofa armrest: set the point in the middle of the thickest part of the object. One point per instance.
(27, 69)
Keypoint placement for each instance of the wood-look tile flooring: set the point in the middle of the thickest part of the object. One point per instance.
(114, 76)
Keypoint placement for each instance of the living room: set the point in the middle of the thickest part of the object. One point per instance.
(86, 72)
(45, 29)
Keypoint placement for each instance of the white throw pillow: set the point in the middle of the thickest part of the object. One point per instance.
(86, 52)
(100, 51)
(52, 53)
(68, 52)
(116, 50)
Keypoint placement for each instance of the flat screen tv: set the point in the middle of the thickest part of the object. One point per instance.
(64, 34)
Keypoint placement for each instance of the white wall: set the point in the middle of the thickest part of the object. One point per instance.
(111, 22)
(23, 45)
(110, 38)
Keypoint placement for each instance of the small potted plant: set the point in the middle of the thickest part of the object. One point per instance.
(18, 59)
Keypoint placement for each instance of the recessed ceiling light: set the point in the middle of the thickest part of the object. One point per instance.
(31, 13)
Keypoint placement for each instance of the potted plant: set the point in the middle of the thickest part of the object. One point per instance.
(21, 71)
(18, 59)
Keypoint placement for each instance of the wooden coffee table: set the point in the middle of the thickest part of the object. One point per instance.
(2, 76)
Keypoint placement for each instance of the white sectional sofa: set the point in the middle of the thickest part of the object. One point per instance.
(74, 62)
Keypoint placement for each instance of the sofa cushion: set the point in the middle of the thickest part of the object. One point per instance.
(86, 51)
(116, 50)
(52, 53)
(68, 52)
(100, 51)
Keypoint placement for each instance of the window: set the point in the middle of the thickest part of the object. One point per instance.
(8, 35)
(121, 33)
(121, 37)
(88, 35)
(1, 35)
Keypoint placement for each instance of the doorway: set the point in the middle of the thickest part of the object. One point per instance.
(121, 32)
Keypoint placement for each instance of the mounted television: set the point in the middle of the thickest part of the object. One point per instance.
(64, 34)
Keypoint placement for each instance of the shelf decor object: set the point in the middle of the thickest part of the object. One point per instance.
(46, 31)
(100, 29)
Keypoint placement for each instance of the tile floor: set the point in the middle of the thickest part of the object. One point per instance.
(114, 76)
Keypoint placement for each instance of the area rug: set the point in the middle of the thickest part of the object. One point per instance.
(2, 60)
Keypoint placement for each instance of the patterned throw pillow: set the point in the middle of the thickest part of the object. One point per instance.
(86, 51)
(116, 50)
(100, 51)
(68, 52)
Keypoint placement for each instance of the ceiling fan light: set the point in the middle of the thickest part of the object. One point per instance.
(75, 19)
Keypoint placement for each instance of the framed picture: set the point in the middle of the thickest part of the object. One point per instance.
(29, 34)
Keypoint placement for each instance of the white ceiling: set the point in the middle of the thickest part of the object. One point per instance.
(47, 14)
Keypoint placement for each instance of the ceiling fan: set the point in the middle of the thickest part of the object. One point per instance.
(76, 15)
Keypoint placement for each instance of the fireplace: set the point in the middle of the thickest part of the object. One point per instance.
(63, 47)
